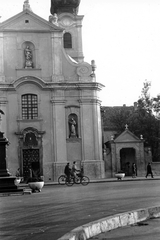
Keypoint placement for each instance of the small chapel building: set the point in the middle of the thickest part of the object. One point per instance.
(123, 149)
(49, 94)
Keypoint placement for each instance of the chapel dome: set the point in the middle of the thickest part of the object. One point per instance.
(61, 6)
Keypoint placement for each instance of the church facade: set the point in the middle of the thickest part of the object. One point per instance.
(49, 95)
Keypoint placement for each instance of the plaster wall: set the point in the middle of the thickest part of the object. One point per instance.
(14, 55)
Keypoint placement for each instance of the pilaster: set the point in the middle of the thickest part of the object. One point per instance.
(56, 56)
(59, 127)
(91, 129)
(2, 77)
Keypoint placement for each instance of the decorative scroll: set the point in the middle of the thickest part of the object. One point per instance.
(84, 70)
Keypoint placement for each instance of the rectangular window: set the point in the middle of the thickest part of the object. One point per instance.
(29, 106)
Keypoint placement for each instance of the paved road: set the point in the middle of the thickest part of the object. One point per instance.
(147, 230)
(58, 209)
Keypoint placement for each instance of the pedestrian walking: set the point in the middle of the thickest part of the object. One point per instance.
(149, 170)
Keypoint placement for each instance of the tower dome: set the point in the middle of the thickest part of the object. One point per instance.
(61, 6)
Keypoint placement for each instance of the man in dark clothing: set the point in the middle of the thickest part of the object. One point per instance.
(67, 170)
(149, 170)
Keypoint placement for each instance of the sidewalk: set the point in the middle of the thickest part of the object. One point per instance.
(105, 180)
(25, 187)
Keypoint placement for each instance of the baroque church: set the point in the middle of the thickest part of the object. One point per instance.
(50, 99)
(49, 94)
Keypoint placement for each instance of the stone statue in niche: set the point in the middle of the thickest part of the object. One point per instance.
(72, 127)
(28, 57)
(30, 139)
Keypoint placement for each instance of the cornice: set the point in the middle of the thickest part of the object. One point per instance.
(51, 85)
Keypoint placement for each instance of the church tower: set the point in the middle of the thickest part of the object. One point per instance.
(67, 16)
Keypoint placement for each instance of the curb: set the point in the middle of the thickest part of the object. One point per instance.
(103, 180)
(112, 222)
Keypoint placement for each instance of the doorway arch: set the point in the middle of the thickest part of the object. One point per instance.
(127, 158)
(30, 151)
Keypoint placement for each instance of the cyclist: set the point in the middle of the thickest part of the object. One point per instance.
(75, 170)
(67, 170)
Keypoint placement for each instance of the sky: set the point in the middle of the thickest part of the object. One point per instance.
(122, 36)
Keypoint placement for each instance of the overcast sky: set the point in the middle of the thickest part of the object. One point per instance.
(122, 36)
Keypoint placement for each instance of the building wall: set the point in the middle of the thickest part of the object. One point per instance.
(63, 88)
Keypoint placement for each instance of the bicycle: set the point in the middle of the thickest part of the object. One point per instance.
(84, 180)
(62, 179)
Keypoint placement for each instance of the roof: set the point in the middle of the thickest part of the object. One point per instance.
(127, 136)
(28, 21)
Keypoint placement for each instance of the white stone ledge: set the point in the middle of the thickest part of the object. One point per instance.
(94, 228)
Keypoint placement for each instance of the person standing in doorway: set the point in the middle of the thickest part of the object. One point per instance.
(134, 170)
(149, 170)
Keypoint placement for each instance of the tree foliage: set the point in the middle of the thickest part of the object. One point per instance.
(142, 120)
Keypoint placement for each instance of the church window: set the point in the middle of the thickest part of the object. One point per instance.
(29, 106)
(67, 39)
(26, 21)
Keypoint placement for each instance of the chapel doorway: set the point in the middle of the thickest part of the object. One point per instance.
(127, 158)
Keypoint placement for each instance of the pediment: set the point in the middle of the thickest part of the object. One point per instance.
(28, 21)
(127, 136)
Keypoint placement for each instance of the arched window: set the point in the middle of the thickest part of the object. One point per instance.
(29, 106)
(67, 40)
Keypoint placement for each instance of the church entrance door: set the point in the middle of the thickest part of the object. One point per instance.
(31, 160)
(127, 158)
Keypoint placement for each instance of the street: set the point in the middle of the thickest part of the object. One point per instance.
(58, 209)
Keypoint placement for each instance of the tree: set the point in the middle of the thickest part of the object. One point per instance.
(142, 120)
(119, 117)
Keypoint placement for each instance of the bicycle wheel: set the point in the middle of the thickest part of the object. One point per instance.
(84, 180)
(77, 180)
(62, 179)
(69, 182)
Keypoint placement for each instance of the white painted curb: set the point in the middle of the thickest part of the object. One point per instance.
(112, 222)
